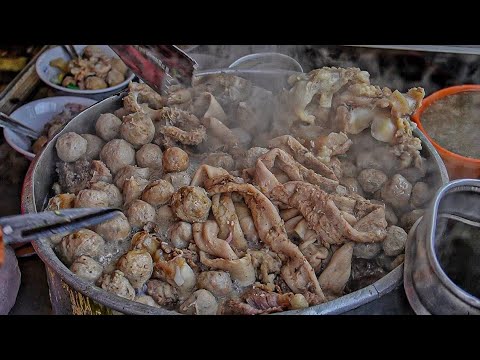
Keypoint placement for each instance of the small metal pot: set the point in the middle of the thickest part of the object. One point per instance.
(429, 289)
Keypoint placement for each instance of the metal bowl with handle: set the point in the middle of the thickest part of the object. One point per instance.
(70, 294)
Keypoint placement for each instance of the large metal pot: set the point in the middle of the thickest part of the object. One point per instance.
(70, 294)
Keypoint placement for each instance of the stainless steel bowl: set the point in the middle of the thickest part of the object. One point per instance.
(428, 287)
(70, 294)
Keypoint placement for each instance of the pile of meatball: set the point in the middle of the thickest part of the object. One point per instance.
(151, 254)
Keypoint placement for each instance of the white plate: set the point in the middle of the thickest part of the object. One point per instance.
(35, 115)
(47, 72)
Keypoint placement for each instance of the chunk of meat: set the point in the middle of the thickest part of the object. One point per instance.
(131, 171)
(295, 170)
(132, 190)
(321, 213)
(201, 302)
(206, 238)
(297, 272)
(241, 270)
(205, 105)
(177, 273)
(322, 83)
(333, 144)
(100, 172)
(335, 276)
(224, 212)
(301, 154)
(246, 221)
(267, 264)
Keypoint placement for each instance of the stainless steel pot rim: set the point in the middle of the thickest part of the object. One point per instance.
(245, 58)
(472, 184)
(409, 285)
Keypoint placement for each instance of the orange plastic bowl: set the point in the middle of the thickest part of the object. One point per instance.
(458, 166)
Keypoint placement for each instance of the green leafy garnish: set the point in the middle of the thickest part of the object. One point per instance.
(73, 86)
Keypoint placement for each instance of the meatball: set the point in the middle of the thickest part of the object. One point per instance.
(82, 242)
(397, 191)
(180, 234)
(175, 160)
(158, 192)
(371, 180)
(130, 171)
(220, 159)
(218, 283)
(95, 83)
(119, 65)
(163, 293)
(164, 217)
(115, 198)
(114, 229)
(91, 199)
(118, 284)
(146, 300)
(137, 129)
(117, 154)
(366, 250)
(201, 302)
(94, 146)
(408, 219)
(352, 185)
(394, 243)
(71, 147)
(92, 51)
(61, 201)
(178, 179)
(250, 158)
(114, 77)
(100, 172)
(191, 204)
(137, 266)
(420, 194)
(139, 213)
(87, 268)
(149, 156)
(142, 240)
(108, 126)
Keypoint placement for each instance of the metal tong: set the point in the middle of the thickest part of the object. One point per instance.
(71, 51)
(12, 124)
(21, 229)
(159, 66)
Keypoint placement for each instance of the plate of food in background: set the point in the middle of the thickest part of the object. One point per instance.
(47, 116)
(98, 72)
